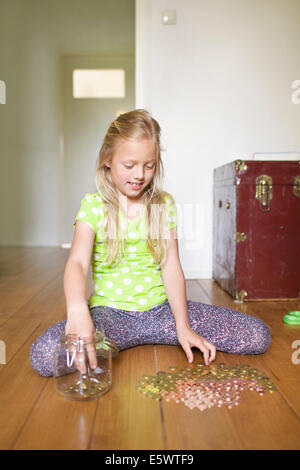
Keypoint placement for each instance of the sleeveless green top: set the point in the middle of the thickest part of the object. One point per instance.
(136, 282)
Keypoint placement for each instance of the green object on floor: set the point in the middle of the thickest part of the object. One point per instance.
(292, 318)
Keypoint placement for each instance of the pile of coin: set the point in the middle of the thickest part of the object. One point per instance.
(203, 386)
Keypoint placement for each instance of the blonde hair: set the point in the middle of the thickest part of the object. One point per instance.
(136, 124)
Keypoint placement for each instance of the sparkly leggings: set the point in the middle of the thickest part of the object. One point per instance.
(229, 330)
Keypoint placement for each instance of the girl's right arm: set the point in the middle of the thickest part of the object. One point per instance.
(79, 320)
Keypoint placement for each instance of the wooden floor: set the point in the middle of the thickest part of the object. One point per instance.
(33, 416)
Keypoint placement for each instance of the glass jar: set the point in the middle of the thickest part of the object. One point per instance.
(74, 378)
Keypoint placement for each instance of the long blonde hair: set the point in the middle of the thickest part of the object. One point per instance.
(136, 124)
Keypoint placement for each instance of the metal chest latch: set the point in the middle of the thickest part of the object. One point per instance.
(264, 191)
(296, 187)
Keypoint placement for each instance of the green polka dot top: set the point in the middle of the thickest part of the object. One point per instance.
(136, 282)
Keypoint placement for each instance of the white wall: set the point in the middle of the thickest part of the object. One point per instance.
(34, 34)
(219, 83)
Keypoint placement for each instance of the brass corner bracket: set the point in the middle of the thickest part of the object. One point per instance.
(239, 237)
(240, 165)
(239, 296)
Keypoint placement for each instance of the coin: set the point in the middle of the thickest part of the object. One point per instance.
(206, 386)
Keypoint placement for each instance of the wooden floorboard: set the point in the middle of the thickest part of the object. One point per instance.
(277, 361)
(125, 419)
(19, 392)
(193, 429)
(34, 416)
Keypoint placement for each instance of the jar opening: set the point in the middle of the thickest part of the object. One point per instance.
(76, 339)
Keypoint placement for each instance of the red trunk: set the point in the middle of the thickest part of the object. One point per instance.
(257, 238)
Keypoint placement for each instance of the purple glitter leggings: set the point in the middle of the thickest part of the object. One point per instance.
(229, 330)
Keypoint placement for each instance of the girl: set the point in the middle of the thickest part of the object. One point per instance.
(127, 231)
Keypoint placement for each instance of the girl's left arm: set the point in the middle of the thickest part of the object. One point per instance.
(174, 283)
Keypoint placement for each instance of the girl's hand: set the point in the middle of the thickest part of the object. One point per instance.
(189, 338)
(80, 323)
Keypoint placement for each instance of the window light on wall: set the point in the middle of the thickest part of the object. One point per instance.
(99, 83)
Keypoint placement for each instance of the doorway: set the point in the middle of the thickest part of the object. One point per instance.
(84, 122)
